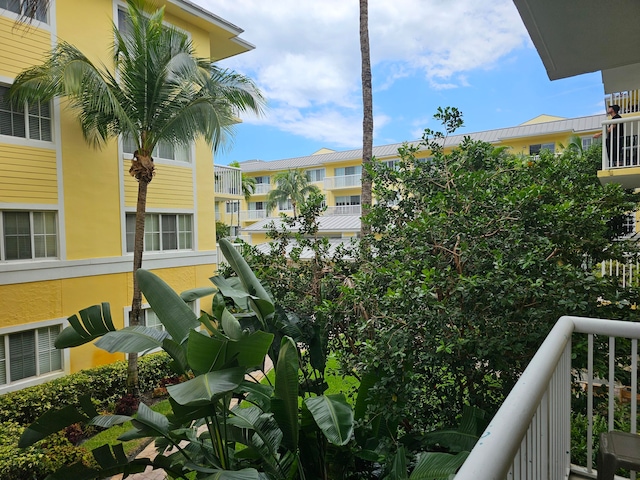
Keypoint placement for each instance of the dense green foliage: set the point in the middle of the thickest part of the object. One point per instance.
(106, 384)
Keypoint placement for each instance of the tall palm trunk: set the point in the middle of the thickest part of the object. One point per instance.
(142, 169)
(367, 118)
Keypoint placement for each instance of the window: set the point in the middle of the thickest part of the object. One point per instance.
(17, 6)
(264, 180)
(29, 353)
(343, 171)
(28, 235)
(32, 121)
(232, 207)
(162, 232)
(587, 142)
(315, 175)
(164, 150)
(285, 205)
(347, 200)
(393, 164)
(537, 148)
(257, 205)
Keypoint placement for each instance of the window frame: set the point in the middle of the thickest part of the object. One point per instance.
(25, 113)
(33, 236)
(5, 12)
(342, 203)
(188, 151)
(314, 172)
(39, 378)
(159, 234)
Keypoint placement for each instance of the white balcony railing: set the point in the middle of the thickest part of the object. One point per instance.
(247, 215)
(344, 210)
(228, 180)
(529, 437)
(221, 258)
(627, 272)
(343, 181)
(262, 188)
(621, 151)
(629, 101)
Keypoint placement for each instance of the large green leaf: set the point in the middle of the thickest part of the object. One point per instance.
(231, 288)
(257, 394)
(452, 440)
(250, 350)
(333, 415)
(437, 466)
(230, 325)
(96, 321)
(267, 436)
(132, 339)
(285, 405)
(53, 421)
(206, 388)
(178, 354)
(196, 293)
(244, 272)
(147, 423)
(205, 353)
(399, 466)
(172, 311)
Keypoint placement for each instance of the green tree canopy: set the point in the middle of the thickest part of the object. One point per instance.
(291, 185)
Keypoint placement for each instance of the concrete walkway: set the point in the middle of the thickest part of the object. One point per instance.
(150, 450)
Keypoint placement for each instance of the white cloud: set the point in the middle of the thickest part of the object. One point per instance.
(307, 59)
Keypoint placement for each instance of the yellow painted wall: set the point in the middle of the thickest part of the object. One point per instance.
(22, 47)
(205, 192)
(27, 175)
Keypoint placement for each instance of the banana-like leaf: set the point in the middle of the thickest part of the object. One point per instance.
(285, 405)
(231, 288)
(250, 350)
(132, 339)
(399, 466)
(453, 440)
(196, 293)
(437, 465)
(268, 435)
(172, 311)
(333, 415)
(205, 389)
(108, 421)
(53, 421)
(362, 400)
(96, 321)
(204, 353)
(244, 272)
(147, 423)
(178, 354)
(231, 325)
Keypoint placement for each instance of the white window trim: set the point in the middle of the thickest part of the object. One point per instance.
(160, 160)
(28, 382)
(30, 210)
(34, 23)
(25, 141)
(151, 211)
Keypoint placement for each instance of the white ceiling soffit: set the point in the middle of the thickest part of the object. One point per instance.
(621, 79)
(579, 36)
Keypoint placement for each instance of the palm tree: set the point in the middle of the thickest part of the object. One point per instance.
(291, 185)
(158, 91)
(367, 118)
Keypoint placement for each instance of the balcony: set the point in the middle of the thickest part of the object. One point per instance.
(252, 215)
(628, 101)
(262, 189)
(344, 181)
(621, 158)
(530, 435)
(228, 182)
(344, 210)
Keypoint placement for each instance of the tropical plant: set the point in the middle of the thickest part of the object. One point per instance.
(291, 185)
(158, 91)
(215, 352)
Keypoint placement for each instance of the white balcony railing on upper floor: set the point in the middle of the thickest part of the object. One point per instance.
(228, 181)
(530, 435)
(344, 210)
(628, 101)
(343, 181)
(248, 215)
(620, 151)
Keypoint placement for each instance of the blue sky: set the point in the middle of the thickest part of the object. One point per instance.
(476, 56)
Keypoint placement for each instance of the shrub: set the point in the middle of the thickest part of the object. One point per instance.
(106, 384)
(39, 460)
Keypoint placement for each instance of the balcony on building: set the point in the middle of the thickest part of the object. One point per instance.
(344, 210)
(262, 189)
(343, 181)
(252, 215)
(228, 182)
(621, 153)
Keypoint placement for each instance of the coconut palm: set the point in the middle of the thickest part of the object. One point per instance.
(291, 185)
(367, 119)
(158, 91)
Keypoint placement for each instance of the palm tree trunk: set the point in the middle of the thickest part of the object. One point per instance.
(142, 169)
(367, 118)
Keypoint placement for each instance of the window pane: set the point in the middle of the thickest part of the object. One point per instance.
(128, 144)
(45, 238)
(169, 232)
(17, 235)
(152, 320)
(152, 233)
(49, 357)
(22, 355)
(130, 221)
(184, 232)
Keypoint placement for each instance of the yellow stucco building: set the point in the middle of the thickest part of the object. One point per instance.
(67, 210)
(338, 174)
